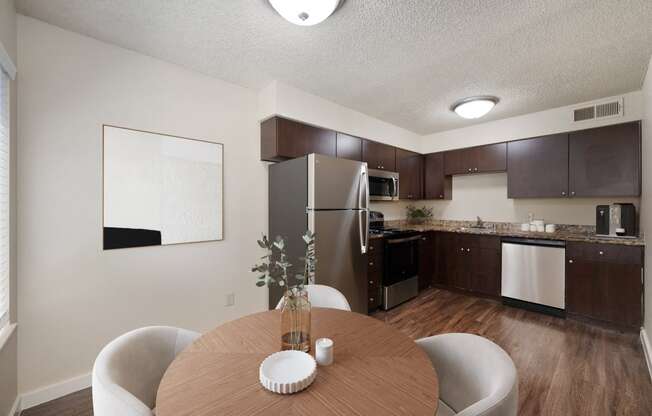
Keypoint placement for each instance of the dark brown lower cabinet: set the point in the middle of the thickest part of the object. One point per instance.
(469, 262)
(427, 250)
(604, 282)
(375, 272)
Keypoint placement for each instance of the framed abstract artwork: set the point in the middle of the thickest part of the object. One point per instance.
(160, 189)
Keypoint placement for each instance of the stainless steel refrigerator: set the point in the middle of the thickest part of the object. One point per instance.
(330, 197)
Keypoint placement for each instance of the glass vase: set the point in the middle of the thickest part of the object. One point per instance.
(295, 320)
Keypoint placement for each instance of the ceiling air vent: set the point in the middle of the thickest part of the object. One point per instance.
(604, 109)
(585, 113)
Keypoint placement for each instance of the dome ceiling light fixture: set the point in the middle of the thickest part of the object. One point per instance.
(474, 107)
(305, 12)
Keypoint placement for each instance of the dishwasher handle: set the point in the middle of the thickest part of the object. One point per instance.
(534, 242)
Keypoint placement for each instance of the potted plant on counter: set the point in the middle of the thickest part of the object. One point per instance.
(275, 269)
(418, 216)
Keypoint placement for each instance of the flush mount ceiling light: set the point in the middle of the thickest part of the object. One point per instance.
(474, 107)
(305, 12)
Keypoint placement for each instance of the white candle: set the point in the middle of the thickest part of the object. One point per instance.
(324, 351)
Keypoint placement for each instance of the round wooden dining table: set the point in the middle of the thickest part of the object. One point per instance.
(377, 371)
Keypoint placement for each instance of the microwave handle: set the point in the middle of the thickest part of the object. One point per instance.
(395, 190)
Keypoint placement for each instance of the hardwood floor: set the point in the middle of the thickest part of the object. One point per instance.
(565, 367)
(76, 404)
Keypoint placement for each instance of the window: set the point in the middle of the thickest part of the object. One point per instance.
(4, 198)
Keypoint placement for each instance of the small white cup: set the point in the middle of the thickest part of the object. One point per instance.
(551, 228)
(324, 351)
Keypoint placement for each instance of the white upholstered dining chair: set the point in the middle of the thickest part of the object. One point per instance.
(128, 371)
(321, 296)
(476, 376)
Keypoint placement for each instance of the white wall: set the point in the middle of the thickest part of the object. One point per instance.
(8, 351)
(555, 120)
(646, 200)
(486, 195)
(74, 297)
(284, 100)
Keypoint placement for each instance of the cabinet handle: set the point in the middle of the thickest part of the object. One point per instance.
(563, 193)
(371, 263)
(573, 193)
(468, 250)
(441, 196)
(371, 299)
(462, 249)
(371, 282)
(371, 248)
(570, 261)
(601, 253)
(470, 170)
(476, 169)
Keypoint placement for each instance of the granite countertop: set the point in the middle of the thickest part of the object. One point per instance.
(578, 233)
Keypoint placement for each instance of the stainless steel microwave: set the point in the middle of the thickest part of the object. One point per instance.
(383, 185)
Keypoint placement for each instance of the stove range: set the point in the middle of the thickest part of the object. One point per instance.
(392, 232)
(400, 281)
(377, 227)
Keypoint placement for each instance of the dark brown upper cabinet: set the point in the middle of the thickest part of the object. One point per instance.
(606, 161)
(481, 159)
(538, 167)
(410, 170)
(436, 184)
(283, 139)
(349, 147)
(379, 155)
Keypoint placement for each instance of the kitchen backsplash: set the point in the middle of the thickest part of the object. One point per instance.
(486, 196)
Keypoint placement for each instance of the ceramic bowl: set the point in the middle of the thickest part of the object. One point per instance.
(287, 372)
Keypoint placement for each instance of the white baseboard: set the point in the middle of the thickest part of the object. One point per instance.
(54, 391)
(15, 409)
(647, 350)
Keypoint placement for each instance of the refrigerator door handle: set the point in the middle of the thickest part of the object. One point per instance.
(363, 227)
(363, 184)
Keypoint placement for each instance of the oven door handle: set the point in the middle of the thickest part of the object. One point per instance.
(403, 240)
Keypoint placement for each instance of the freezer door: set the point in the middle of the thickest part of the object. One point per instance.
(338, 248)
(336, 183)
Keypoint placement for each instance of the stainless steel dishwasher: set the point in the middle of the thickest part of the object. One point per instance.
(534, 274)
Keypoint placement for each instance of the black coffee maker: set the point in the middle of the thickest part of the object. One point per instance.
(616, 220)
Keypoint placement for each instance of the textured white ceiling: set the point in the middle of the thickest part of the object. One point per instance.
(402, 61)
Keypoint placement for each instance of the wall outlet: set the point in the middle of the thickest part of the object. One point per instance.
(230, 299)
